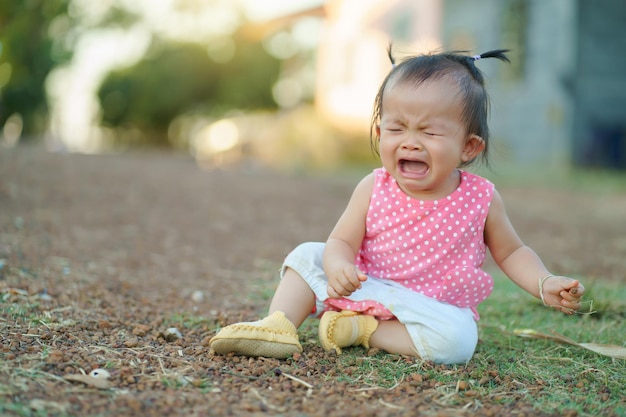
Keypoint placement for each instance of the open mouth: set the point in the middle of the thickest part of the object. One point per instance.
(413, 168)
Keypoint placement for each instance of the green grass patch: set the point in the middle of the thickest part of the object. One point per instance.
(595, 181)
(506, 367)
(571, 376)
(186, 320)
(27, 312)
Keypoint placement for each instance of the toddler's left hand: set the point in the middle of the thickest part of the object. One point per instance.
(563, 293)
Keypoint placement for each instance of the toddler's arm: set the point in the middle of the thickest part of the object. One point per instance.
(343, 276)
(524, 267)
(344, 242)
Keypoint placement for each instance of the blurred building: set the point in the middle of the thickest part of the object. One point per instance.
(562, 101)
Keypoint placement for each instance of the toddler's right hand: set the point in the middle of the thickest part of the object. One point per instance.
(345, 281)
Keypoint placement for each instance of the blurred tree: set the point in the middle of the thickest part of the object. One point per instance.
(177, 78)
(30, 46)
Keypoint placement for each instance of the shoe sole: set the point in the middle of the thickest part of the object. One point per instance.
(248, 347)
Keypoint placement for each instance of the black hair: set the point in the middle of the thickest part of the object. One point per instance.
(462, 67)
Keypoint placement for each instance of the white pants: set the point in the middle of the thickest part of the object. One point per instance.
(441, 332)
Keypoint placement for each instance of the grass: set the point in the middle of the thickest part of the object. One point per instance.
(550, 376)
(587, 382)
(506, 367)
(186, 320)
(589, 180)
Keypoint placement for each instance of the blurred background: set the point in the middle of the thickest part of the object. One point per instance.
(291, 84)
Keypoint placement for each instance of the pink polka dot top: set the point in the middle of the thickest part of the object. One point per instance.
(434, 247)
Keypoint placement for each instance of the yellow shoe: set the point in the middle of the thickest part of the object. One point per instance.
(345, 328)
(273, 337)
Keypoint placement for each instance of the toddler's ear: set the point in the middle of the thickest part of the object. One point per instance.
(473, 147)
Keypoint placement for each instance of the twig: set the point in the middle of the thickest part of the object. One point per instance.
(467, 406)
(254, 378)
(386, 404)
(265, 402)
(161, 365)
(30, 372)
(606, 378)
(306, 384)
(379, 388)
(96, 349)
(59, 309)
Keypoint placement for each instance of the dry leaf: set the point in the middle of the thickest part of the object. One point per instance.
(99, 383)
(613, 351)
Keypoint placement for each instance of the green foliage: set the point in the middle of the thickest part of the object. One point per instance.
(150, 94)
(177, 78)
(31, 44)
(246, 81)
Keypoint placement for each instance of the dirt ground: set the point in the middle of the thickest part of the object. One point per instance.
(101, 255)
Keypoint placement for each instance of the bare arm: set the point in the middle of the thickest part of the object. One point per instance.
(344, 242)
(523, 266)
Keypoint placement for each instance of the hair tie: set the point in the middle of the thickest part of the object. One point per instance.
(476, 57)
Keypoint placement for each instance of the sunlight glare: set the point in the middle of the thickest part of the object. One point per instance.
(72, 88)
(12, 130)
(256, 10)
(217, 137)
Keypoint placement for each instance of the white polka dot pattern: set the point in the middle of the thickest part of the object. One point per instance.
(433, 247)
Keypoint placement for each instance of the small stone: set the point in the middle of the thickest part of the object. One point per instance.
(100, 373)
(470, 393)
(197, 382)
(197, 296)
(416, 380)
(131, 343)
(141, 330)
(462, 385)
(18, 222)
(172, 334)
(55, 356)
(103, 324)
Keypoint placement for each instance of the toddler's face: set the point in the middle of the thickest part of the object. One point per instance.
(423, 138)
